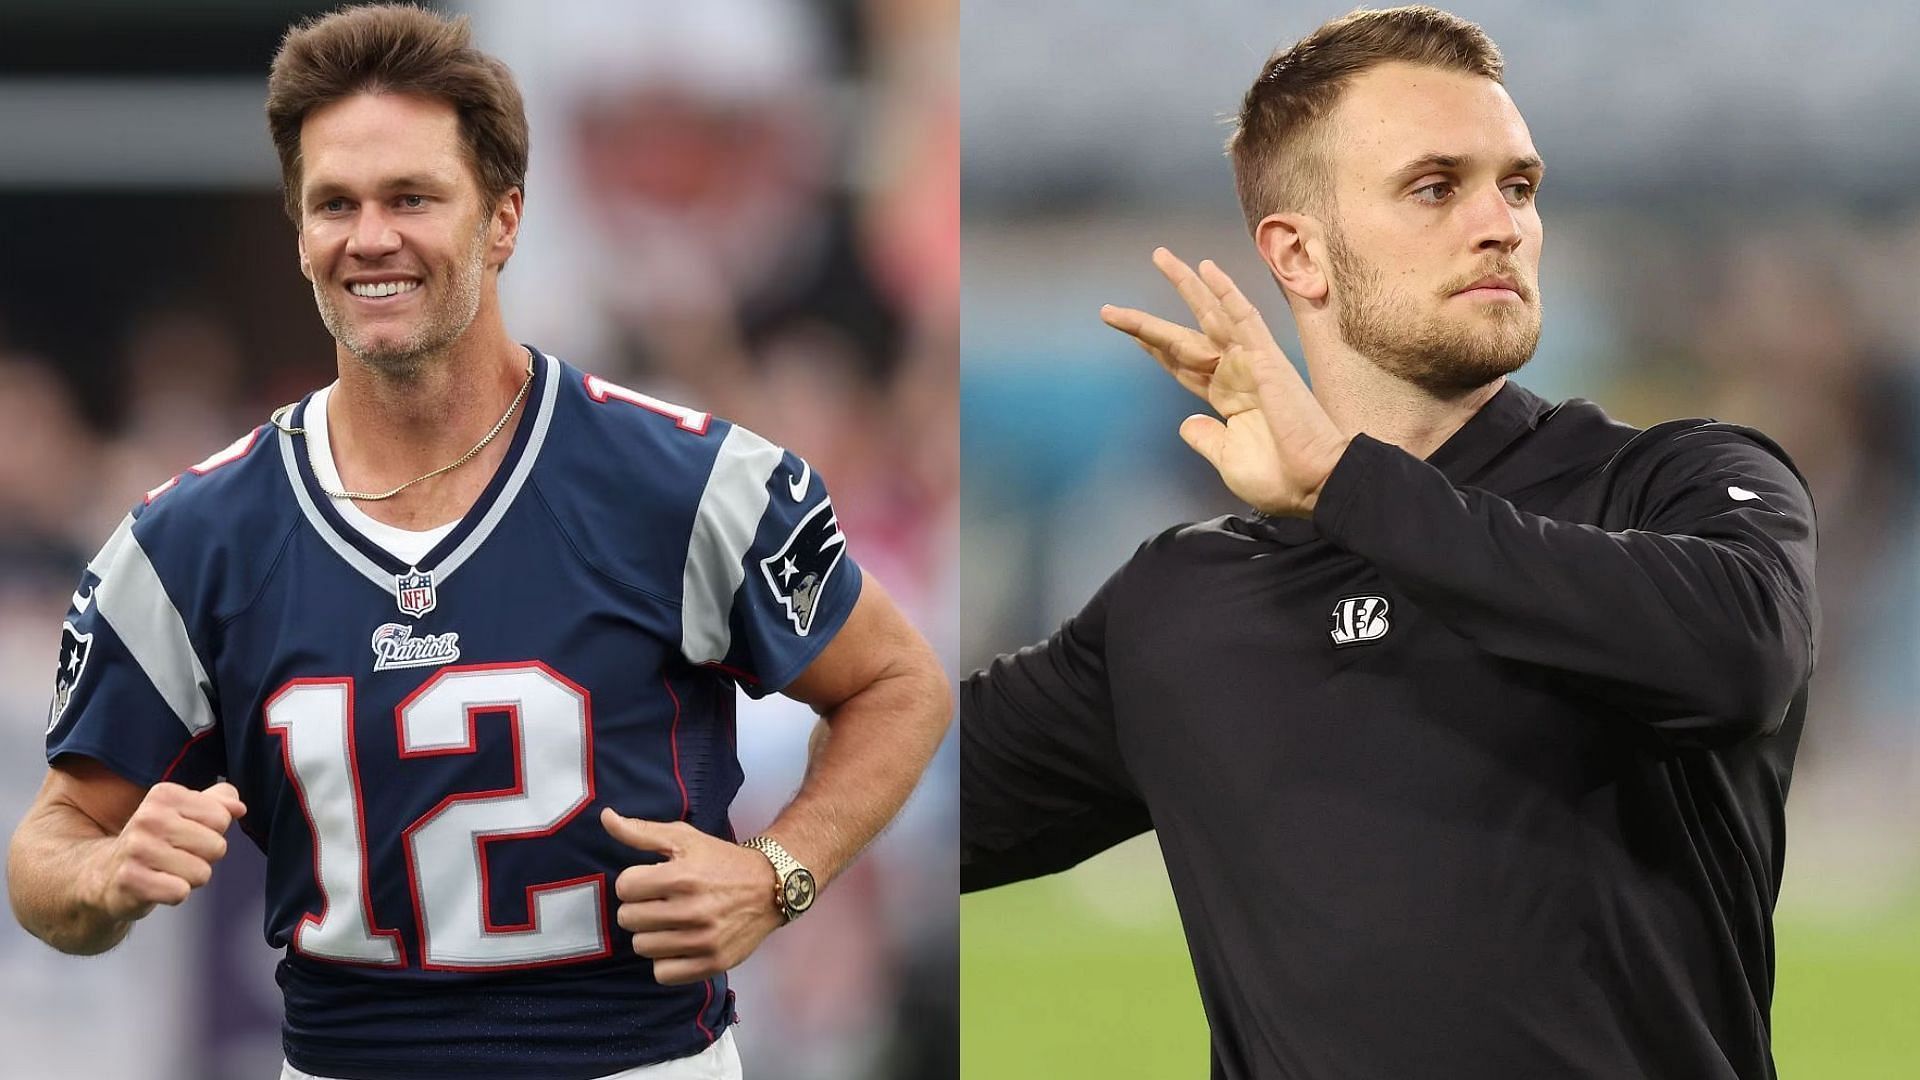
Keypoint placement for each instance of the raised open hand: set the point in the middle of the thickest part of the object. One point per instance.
(1272, 444)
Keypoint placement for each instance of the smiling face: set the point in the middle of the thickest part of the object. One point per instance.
(394, 235)
(1433, 180)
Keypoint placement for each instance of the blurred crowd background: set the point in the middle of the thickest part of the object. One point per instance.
(750, 206)
(1732, 230)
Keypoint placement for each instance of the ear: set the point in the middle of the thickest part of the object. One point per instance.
(505, 228)
(1292, 246)
(306, 266)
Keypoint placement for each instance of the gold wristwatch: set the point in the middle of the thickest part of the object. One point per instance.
(794, 890)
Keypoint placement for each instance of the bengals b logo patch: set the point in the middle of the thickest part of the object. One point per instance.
(1358, 620)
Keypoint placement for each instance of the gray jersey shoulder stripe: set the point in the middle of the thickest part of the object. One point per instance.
(723, 529)
(133, 601)
(122, 535)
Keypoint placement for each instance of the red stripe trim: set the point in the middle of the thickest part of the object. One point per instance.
(673, 739)
(733, 671)
(700, 1018)
(182, 755)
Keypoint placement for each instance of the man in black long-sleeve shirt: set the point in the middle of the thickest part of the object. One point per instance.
(1468, 751)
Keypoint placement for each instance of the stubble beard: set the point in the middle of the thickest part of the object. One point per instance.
(439, 326)
(1445, 357)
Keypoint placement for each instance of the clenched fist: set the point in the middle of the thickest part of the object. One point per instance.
(167, 849)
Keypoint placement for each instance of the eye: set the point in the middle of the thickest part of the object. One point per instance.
(333, 205)
(1520, 192)
(1435, 193)
(413, 202)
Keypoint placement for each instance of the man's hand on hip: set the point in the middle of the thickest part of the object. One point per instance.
(1272, 444)
(701, 911)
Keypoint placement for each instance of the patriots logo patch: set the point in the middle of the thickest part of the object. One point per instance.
(797, 574)
(75, 647)
(394, 646)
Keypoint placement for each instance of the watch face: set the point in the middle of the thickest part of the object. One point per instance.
(798, 891)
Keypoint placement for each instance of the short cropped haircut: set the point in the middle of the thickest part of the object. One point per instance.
(1280, 145)
(399, 49)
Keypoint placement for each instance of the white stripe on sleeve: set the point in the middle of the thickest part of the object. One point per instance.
(723, 529)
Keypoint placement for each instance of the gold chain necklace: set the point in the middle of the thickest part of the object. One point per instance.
(365, 496)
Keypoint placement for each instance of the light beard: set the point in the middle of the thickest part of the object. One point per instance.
(1445, 357)
(438, 328)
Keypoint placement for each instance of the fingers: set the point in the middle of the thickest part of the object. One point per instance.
(684, 939)
(701, 911)
(1206, 435)
(1195, 381)
(175, 818)
(679, 971)
(1193, 292)
(1225, 292)
(664, 944)
(173, 862)
(173, 845)
(193, 837)
(658, 881)
(206, 808)
(1214, 321)
(1185, 354)
(169, 847)
(140, 888)
(667, 838)
(1194, 375)
(228, 796)
(644, 916)
(146, 871)
(1229, 325)
(1247, 326)
(1185, 344)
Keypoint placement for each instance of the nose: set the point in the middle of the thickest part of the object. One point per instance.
(373, 234)
(1495, 223)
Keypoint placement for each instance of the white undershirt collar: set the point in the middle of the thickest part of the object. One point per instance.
(407, 545)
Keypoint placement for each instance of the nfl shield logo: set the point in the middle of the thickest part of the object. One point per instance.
(415, 592)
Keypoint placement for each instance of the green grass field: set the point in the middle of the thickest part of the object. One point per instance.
(1095, 972)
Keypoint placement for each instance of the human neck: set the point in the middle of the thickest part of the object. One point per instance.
(1361, 397)
(386, 430)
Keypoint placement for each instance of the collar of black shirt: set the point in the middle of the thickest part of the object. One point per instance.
(1511, 413)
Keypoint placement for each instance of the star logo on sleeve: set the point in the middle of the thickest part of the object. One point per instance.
(797, 574)
(75, 648)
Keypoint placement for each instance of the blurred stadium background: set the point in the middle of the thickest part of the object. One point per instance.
(1733, 230)
(751, 205)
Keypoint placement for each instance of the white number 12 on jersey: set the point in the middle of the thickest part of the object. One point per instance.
(446, 847)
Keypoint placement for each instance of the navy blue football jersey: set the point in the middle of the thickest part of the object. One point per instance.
(424, 749)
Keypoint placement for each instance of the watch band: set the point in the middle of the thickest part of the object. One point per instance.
(794, 890)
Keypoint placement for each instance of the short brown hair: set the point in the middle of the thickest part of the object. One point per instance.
(401, 49)
(1279, 146)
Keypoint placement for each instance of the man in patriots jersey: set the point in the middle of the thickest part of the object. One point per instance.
(455, 640)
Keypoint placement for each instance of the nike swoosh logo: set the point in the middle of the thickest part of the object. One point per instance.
(799, 487)
(82, 603)
(1741, 494)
